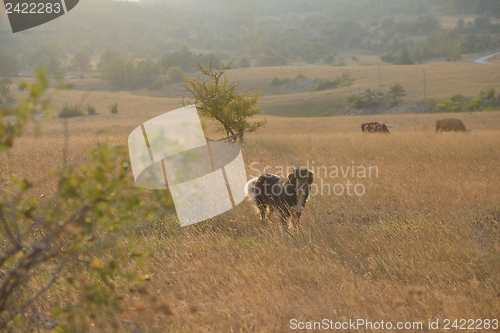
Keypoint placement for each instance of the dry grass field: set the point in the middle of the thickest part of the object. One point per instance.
(413, 238)
(422, 242)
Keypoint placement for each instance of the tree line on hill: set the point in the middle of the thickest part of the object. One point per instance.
(478, 36)
(127, 72)
(272, 33)
(115, 65)
(372, 101)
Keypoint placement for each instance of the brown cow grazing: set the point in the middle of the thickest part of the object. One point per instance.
(450, 124)
(374, 127)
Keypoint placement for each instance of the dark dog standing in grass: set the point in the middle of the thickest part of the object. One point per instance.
(288, 195)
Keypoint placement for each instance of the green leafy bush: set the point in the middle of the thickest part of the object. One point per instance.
(429, 105)
(486, 100)
(91, 109)
(68, 242)
(323, 84)
(447, 105)
(277, 81)
(344, 80)
(367, 99)
(340, 62)
(395, 93)
(113, 108)
(175, 74)
(69, 111)
(329, 59)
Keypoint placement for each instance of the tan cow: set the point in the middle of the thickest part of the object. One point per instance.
(450, 124)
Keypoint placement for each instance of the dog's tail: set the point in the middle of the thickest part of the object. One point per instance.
(250, 190)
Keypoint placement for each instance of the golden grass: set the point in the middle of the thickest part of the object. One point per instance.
(494, 60)
(422, 242)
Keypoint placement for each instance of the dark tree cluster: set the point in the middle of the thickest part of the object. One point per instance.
(262, 33)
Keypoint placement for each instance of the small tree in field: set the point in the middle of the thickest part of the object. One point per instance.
(395, 93)
(216, 100)
(175, 74)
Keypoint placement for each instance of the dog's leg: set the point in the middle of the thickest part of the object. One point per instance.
(294, 220)
(284, 221)
(262, 212)
(285, 217)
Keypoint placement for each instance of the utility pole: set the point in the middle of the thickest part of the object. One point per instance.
(425, 93)
(379, 79)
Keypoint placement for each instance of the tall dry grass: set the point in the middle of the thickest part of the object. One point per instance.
(421, 244)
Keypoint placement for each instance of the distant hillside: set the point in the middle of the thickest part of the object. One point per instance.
(266, 33)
